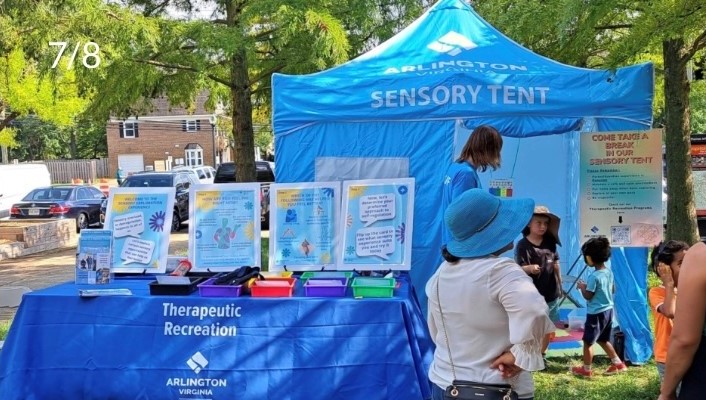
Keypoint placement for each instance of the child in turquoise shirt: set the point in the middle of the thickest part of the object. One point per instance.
(598, 291)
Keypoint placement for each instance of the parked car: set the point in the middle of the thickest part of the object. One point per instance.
(202, 173)
(16, 180)
(181, 180)
(81, 202)
(263, 173)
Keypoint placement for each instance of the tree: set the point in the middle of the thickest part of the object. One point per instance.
(24, 90)
(232, 53)
(613, 33)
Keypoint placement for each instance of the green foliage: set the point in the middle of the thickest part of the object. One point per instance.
(4, 329)
(697, 99)
(24, 90)
(7, 138)
(37, 139)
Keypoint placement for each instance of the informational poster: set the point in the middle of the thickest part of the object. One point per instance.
(376, 224)
(621, 187)
(303, 225)
(501, 187)
(141, 220)
(224, 226)
(93, 257)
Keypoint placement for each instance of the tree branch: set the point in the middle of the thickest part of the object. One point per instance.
(151, 11)
(183, 68)
(698, 44)
(264, 35)
(8, 119)
(610, 27)
(265, 74)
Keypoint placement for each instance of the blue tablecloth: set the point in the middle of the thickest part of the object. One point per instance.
(143, 347)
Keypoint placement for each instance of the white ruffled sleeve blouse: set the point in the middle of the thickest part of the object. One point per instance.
(490, 306)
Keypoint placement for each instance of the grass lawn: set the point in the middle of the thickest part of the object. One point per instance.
(557, 383)
(638, 383)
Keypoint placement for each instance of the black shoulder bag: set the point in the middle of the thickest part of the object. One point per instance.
(468, 390)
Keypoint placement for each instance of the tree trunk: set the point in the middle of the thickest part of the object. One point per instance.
(681, 213)
(242, 102)
(242, 120)
(72, 144)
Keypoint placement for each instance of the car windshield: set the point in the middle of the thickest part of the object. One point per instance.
(48, 194)
(147, 181)
(226, 170)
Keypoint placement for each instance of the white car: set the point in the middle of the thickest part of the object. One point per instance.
(203, 173)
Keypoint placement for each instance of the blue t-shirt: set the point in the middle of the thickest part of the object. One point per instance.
(600, 282)
(460, 176)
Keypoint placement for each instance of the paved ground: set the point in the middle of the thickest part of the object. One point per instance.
(49, 268)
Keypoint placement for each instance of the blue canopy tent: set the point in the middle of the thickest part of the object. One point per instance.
(406, 107)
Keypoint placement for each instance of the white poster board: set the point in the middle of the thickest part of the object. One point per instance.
(621, 187)
(304, 219)
(224, 226)
(141, 220)
(376, 224)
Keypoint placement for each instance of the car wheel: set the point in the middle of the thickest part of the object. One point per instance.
(176, 222)
(81, 222)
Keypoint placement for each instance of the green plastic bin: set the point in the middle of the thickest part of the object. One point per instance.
(373, 287)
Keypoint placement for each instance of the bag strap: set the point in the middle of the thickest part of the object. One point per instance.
(443, 323)
(513, 380)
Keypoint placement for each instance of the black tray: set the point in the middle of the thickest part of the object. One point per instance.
(179, 290)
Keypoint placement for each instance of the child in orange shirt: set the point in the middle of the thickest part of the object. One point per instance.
(666, 262)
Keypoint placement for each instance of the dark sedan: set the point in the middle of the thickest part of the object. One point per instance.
(62, 201)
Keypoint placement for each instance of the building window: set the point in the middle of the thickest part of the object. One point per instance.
(194, 155)
(192, 125)
(128, 130)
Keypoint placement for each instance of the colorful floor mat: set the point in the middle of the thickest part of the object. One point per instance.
(568, 342)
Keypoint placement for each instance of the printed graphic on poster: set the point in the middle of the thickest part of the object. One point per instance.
(141, 220)
(621, 187)
(501, 187)
(377, 224)
(224, 226)
(93, 256)
(303, 225)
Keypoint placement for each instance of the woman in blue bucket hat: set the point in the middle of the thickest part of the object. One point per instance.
(485, 315)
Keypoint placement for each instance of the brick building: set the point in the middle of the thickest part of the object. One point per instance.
(165, 138)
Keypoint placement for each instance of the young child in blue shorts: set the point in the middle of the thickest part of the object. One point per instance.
(598, 291)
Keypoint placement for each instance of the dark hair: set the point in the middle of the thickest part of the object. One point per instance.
(665, 251)
(483, 148)
(597, 248)
(448, 256)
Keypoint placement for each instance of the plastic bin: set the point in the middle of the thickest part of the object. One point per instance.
(373, 287)
(209, 289)
(332, 287)
(326, 275)
(276, 274)
(577, 319)
(273, 288)
(176, 289)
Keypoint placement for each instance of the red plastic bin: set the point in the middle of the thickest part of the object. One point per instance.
(273, 288)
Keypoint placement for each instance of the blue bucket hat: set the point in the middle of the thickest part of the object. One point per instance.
(481, 224)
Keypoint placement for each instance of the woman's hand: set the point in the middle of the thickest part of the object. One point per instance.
(665, 397)
(505, 363)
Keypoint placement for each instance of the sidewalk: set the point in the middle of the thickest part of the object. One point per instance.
(52, 267)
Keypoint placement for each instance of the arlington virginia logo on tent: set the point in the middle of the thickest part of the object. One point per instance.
(452, 44)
